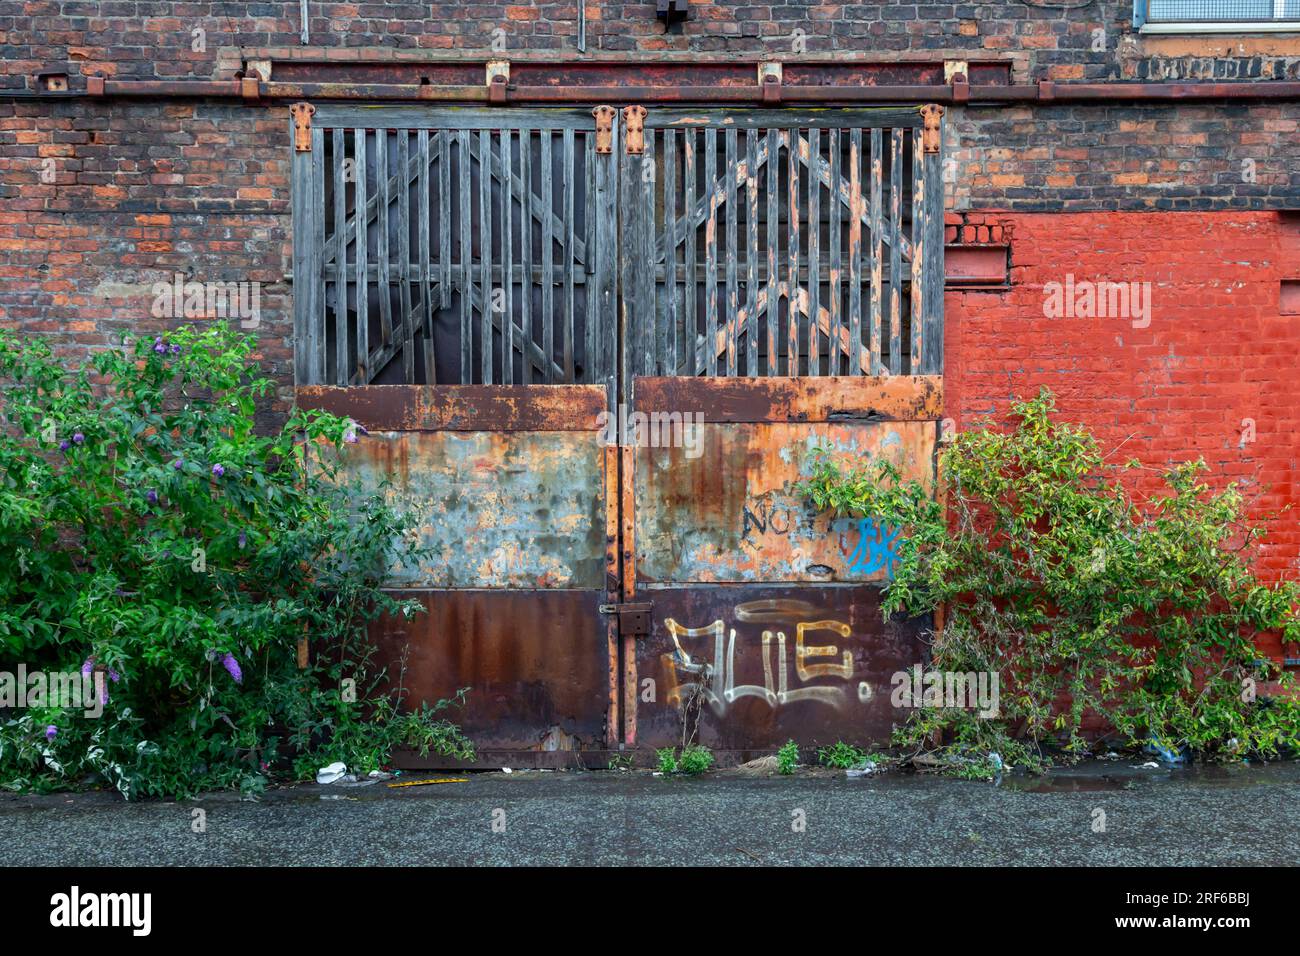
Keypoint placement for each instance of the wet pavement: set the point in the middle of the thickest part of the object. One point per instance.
(1101, 813)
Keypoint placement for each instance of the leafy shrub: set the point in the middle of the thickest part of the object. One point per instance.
(694, 759)
(1081, 599)
(149, 533)
(667, 757)
(787, 757)
(841, 756)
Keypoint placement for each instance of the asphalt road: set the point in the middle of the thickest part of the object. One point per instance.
(1104, 813)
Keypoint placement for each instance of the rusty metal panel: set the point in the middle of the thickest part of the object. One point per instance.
(461, 407)
(535, 662)
(731, 512)
(813, 664)
(498, 509)
(828, 398)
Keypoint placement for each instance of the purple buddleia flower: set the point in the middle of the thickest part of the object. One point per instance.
(176, 350)
(63, 445)
(218, 470)
(87, 667)
(51, 732)
(232, 667)
(114, 676)
(178, 463)
(151, 496)
(78, 439)
(243, 539)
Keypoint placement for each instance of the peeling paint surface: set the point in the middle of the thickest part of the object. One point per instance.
(498, 509)
(733, 514)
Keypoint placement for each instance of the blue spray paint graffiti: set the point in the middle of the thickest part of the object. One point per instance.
(876, 549)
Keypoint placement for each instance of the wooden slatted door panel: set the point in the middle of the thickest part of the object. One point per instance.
(783, 243)
(453, 246)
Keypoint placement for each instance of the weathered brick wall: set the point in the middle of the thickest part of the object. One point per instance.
(1216, 356)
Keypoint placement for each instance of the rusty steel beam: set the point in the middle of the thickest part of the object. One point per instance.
(461, 407)
(831, 398)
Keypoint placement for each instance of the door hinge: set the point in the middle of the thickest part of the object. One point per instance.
(633, 618)
(634, 121)
(301, 113)
(604, 129)
(932, 128)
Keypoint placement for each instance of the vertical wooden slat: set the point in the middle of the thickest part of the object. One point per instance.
(382, 251)
(751, 253)
(773, 237)
(690, 319)
(591, 367)
(426, 279)
(569, 323)
(444, 218)
(486, 294)
(895, 251)
(732, 210)
(711, 253)
(404, 254)
(362, 165)
(855, 252)
(643, 232)
(918, 249)
(548, 255)
(814, 250)
(316, 327)
(669, 357)
(877, 247)
(507, 262)
(793, 167)
(526, 253)
(464, 284)
(836, 264)
(342, 365)
(303, 280)
(604, 315)
(932, 352)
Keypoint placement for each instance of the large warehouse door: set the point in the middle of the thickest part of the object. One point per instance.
(518, 303)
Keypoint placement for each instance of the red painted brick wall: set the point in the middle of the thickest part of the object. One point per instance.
(1217, 350)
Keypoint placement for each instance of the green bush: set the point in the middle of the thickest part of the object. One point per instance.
(150, 533)
(694, 759)
(1082, 599)
(787, 757)
(841, 756)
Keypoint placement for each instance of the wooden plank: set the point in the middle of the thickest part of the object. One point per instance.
(895, 251)
(465, 180)
(485, 254)
(569, 172)
(814, 254)
(455, 118)
(316, 324)
(751, 252)
(855, 249)
(444, 218)
(918, 250)
(790, 117)
(605, 314)
(590, 353)
(526, 248)
(711, 249)
(303, 234)
(803, 399)
(932, 352)
(404, 257)
(545, 161)
(364, 373)
(381, 249)
(342, 364)
(669, 352)
(691, 318)
(773, 236)
(877, 248)
(792, 255)
(645, 326)
(507, 263)
(733, 211)
(836, 264)
(426, 266)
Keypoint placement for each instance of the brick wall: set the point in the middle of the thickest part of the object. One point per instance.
(1217, 351)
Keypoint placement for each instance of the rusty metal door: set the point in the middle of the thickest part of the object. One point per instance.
(781, 293)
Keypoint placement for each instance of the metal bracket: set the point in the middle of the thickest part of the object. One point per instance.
(302, 113)
(634, 122)
(498, 80)
(932, 128)
(604, 129)
(769, 78)
(633, 619)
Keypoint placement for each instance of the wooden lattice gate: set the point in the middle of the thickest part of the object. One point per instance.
(544, 289)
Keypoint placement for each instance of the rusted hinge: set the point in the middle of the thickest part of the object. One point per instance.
(634, 123)
(498, 80)
(302, 113)
(604, 128)
(932, 128)
(769, 79)
(633, 619)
